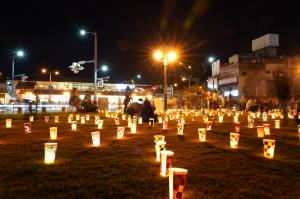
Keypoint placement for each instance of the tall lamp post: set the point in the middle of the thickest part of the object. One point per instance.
(165, 57)
(19, 53)
(83, 33)
(50, 80)
(211, 60)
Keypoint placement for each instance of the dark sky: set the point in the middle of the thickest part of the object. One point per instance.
(130, 29)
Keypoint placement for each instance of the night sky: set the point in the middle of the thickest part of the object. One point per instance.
(129, 30)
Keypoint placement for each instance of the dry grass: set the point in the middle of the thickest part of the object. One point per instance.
(127, 168)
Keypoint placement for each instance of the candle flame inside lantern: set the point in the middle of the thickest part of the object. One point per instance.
(50, 152)
(202, 134)
(95, 138)
(8, 123)
(234, 140)
(269, 148)
(120, 132)
(53, 133)
(177, 181)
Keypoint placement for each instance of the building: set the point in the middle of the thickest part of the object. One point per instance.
(252, 75)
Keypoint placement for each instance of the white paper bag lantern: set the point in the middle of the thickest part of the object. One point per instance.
(160, 119)
(100, 124)
(8, 123)
(77, 117)
(74, 126)
(260, 131)
(56, 119)
(166, 159)
(180, 128)
(202, 134)
(151, 122)
(123, 117)
(53, 133)
(267, 129)
(27, 127)
(95, 138)
(46, 118)
(120, 132)
(159, 146)
(140, 120)
(177, 182)
(277, 124)
(31, 118)
(50, 152)
(87, 117)
(82, 120)
(234, 140)
(97, 118)
(269, 148)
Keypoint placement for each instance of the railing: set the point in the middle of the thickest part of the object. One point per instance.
(24, 108)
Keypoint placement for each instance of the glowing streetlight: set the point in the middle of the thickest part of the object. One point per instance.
(104, 68)
(18, 54)
(211, 59)
(44, 70)
(82, 32)
(183, 79)
(175, 84)
(165, 57)
(138, 76)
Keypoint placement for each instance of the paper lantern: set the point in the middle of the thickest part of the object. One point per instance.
(56, 119)
(250, 123)
(202, 134)
(258, 114)
(87, 117)
(70, 119)
(82, 120)
(177, 182)
(234, 140)
(8, 123)
(182, 120)
(273, 115)
(166, 159)
(299, 116)
(120, 132)
(265, 116)
(193, 118)
(180, 129)
(165, 124)
(50, 152)
(95, 138)
(53, 133)
(298, 128)
(133, 128)
(237, 127)
(159, 138)
(123, 117)
(100, 124)
(277, 124)
(46, 118)
(205, 118)
(160, 119)
(97, 118)
(269, 148)
(77, 117)
(117, 121)
(31, 118)
(260, 131)
(267, 129)
(27, 127)
(129, 121)
(220, 117)
(74, 125)
(208, 125)
(236, 118)
(140, 120)
(151, 122)
(159, 146)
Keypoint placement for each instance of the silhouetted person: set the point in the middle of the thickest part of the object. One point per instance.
(147, 111)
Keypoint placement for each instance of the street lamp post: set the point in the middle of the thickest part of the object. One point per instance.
(83, 32)
(50, 81)
(211, 60)
(19, 53)
(166, 57)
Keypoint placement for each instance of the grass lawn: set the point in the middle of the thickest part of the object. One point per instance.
(127, 168)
